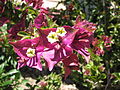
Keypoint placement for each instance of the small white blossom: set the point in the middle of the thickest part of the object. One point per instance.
(61, 31)
(30, 52)
(52, 37)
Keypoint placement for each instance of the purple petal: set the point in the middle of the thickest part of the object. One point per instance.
(20, 47)
(35, 62)
(84, 53)
(21, 63)
(68, 39)
(40, 21)
(48, 56)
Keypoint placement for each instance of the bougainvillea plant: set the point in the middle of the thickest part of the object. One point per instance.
(52, 43)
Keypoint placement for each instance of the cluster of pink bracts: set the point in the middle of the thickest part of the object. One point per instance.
(53, 44)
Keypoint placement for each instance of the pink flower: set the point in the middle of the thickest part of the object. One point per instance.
(97, 47)
(57, 50)
(83, 24)
(29, 51)
(40, 21)
(70, 63)
(107, 42)
(82, 42)
(83, 38)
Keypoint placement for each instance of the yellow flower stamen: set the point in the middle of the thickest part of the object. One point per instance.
(61, 31)
(30, 52)
(52, 37)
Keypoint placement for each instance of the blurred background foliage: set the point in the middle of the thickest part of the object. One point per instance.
(103, 72)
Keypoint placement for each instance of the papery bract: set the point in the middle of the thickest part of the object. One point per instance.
(53, 56)
(54, 51)
(70, 63)
(84, 24)
(81, 43)
(47, 12)
(40, 20)
(97, 47)
(107, 41)
(28, 57)
(83, 38)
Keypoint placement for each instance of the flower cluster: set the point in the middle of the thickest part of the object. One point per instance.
(51, 44)
(55, 45)
(99, 45)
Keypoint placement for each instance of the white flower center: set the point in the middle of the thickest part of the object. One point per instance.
(61, 31)
(52, 37)
(30, 52)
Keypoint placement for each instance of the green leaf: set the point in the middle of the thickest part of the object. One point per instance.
(22, 33)
(19, 88)
(117, 75)
(2, 67)
(26, 37)
(24, 81)
(11, 72)
(6, 83)
(102, 76)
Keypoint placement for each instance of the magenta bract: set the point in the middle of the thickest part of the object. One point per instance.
(70, 63)
(40, 21)
(56, 51)
(53, 56)
(83, 38)
(81, 43)
(21, 48)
